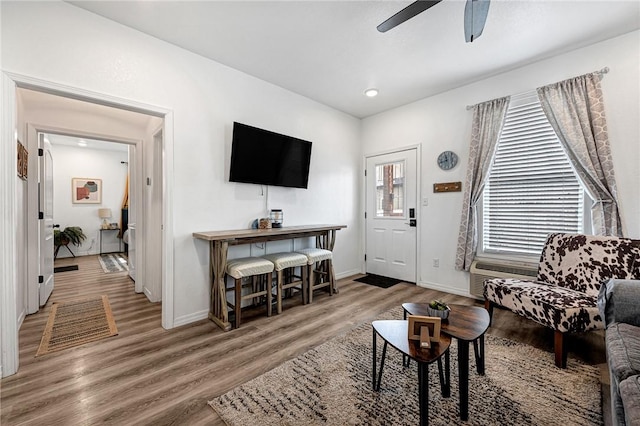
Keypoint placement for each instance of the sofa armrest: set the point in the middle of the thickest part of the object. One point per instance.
(619, 301)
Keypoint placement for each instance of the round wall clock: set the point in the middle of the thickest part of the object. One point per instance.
(447, 160)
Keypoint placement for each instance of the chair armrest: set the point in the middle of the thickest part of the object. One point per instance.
(619, 301)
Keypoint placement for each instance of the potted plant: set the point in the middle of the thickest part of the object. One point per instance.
(70, 234)
(438, 308)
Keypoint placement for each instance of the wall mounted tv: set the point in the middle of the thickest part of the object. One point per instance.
(268, 158)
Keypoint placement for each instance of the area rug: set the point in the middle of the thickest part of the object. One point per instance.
(76, 323)
(65, 268)
(378, 280)
(331, 385)
(113, 262)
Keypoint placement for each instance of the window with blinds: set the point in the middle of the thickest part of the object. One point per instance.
(531, 189)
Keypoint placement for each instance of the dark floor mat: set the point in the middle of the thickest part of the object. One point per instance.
(378, 280)
(65, 268)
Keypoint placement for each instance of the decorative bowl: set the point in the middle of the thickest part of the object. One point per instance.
(441, 313)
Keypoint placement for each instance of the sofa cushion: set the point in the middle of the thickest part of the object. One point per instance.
(623, 350)
(559, 308)
(584, 262)
(630, 395)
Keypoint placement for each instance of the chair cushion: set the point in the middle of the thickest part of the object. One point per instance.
(286, 260)
(584, 262)
(555, 307)
(248, 266)
(630, 395)
(315, 254)
(623, 350)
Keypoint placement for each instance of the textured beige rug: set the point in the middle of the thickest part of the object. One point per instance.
(77, 322)
(331, 385)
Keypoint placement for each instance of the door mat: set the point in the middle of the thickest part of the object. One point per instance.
(113, 262)
(65, 268)
(331, 385)
(77, 322)
(378, 280)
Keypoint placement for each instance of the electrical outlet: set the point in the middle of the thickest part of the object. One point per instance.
(436, 262)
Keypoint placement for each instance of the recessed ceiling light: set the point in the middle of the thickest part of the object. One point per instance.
(371, 92)
(82, 143)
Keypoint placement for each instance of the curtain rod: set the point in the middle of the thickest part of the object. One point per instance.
(604, 70)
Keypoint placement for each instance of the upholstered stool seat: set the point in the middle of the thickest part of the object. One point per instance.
(289, 261)
(324, 271)
(254, 267)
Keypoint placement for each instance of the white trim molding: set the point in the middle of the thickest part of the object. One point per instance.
(8, 219)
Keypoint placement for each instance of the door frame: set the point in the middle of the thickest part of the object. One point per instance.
(9, 355)
(33, 249)
(363, 202)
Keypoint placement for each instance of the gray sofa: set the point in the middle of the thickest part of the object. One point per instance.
(619, 303)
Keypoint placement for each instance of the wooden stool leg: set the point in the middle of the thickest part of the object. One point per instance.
(311, 281)
(279, 292)
(267, 285)
(305, 284)
(238, 301)
(332, 277)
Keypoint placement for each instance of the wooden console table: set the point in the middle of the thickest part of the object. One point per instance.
(219, 242)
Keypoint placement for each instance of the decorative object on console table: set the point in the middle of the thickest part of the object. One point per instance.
(447, 187)
(86, 191)
(264, 223)
(104, 214)
(277, 217)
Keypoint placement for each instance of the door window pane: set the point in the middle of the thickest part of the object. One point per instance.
(390, 189)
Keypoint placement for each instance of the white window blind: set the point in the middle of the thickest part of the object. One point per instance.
(531, 189)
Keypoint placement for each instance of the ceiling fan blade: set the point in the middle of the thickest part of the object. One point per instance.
(475, 15)
(407, 13)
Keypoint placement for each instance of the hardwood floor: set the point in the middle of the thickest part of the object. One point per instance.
(148, 375)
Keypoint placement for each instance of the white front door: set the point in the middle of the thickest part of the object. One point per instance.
(391, 215)
(45, 186)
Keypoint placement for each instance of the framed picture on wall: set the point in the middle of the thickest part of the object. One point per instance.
(86, 190)
(23, 161)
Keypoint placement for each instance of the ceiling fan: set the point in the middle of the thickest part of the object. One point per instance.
(475, 15)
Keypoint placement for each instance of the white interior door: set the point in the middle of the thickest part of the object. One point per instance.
(391, 215)
(45, 173)
(154, 229)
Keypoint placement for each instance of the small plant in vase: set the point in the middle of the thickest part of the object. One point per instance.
(438, 308)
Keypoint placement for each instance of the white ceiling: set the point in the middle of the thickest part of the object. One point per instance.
(330, 51)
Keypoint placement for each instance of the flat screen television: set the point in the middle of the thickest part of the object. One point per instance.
(267, 158)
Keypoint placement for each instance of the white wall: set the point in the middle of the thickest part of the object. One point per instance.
(77, 162)
(442, 122)
(83, 50)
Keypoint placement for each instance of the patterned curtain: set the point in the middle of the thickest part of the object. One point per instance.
(488, 119)
(575, 109)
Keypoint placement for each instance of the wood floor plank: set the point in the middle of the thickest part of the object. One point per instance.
(148, 375)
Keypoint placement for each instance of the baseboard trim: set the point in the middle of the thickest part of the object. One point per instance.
(446, 289)
(188, 319)
(346, 274)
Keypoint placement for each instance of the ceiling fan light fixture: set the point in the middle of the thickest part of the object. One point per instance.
(371, 92)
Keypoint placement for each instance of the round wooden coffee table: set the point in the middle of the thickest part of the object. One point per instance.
(395, 333)
(466, 324)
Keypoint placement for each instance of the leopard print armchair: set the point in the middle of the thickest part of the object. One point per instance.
(572, 268)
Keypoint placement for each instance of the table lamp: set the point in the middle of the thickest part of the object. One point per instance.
(104, 215)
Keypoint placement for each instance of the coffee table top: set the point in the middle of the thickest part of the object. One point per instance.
(464, 322)
(396, 333)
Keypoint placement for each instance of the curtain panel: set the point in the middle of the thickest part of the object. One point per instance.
(488, 119)
(575, 109)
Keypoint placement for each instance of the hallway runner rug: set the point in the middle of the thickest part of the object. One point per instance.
(77, 322)
(113, 262)
(331, 385)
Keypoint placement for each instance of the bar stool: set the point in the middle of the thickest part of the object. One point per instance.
(287, 262)
(324, 270)
(260, 272)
